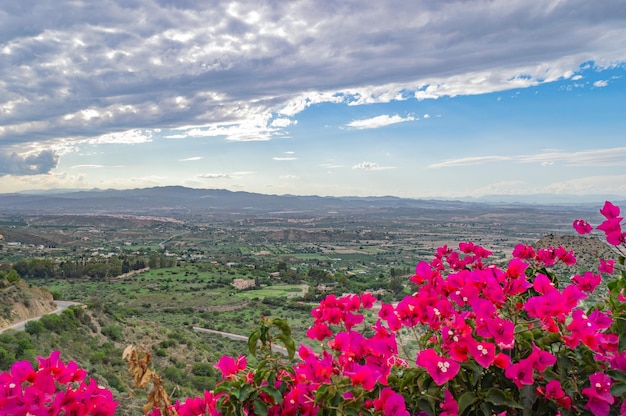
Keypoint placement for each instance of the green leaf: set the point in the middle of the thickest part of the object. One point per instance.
(617, 375)
(528, 398)
(549, 339)
(253, 341)
(283, 326)
(244, 392)
(260, 408)
(289, 344)
(273, 393)
(502, 398)
(617, 389)
(486, 409)
(467, 399)
(622, 342)
(263, 335)
(291, 347)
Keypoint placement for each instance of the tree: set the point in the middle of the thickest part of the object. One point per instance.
(12, 276)
(34, 327)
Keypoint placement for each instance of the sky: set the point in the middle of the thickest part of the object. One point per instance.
(418, 99)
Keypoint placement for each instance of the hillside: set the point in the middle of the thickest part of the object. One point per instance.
(587, 249)
(21, 301)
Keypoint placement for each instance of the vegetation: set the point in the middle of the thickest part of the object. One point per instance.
(188, 284)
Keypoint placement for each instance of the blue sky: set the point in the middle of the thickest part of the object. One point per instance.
(437, 99)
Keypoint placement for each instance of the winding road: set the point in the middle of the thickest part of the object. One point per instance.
(61, 306)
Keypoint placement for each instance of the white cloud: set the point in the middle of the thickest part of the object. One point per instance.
(50, 181)
(589, 185)
(96, 166)
(468, 161)
(191, 159)
(370, 166)
(331, 166)
(282, 159)
(601, 83)
(282, 122)
(379, 121)
(596, 157)
(215, 176)
(127, 137)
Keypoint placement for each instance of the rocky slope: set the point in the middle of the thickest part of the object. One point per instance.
(20, 301)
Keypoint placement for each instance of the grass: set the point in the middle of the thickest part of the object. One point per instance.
(288, 291)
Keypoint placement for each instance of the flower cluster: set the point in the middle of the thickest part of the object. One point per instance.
(55, 388)
(492, 339)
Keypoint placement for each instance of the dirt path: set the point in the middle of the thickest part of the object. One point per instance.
(131, 273)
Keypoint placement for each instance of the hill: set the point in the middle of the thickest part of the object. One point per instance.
(21, 301)
(180, 201)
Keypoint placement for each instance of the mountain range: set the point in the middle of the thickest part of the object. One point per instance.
(181, 201)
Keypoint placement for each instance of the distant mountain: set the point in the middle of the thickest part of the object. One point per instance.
(180, 201)
(551, 199)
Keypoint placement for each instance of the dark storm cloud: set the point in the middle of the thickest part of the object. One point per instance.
(12, 164)
(76, 69)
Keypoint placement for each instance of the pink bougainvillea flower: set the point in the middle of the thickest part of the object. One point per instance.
(609, 210)
(547, 256)
(423, 272)
(502, 331)
(541, 359)
(606, 266)
(502, 360)
(363, 375)
(484, 353)
(23, 371)
(567, 257)
(521, 373)
(229, 366)
(440, 369)
(554, 391)
(587, 282)
(388, 313)
(613, 231)
(390, 403)
(516, 268)
(368, 300)
(524, 252)
(543, 284)
(582, 227)
(600, 319)
(320, 331)
(599, 394)
(449, 406)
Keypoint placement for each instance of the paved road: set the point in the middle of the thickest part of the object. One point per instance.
(61, 306)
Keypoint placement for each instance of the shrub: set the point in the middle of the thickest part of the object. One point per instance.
(113, 332)
(34, 327)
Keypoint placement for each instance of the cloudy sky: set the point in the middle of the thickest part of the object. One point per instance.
(422, 98)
